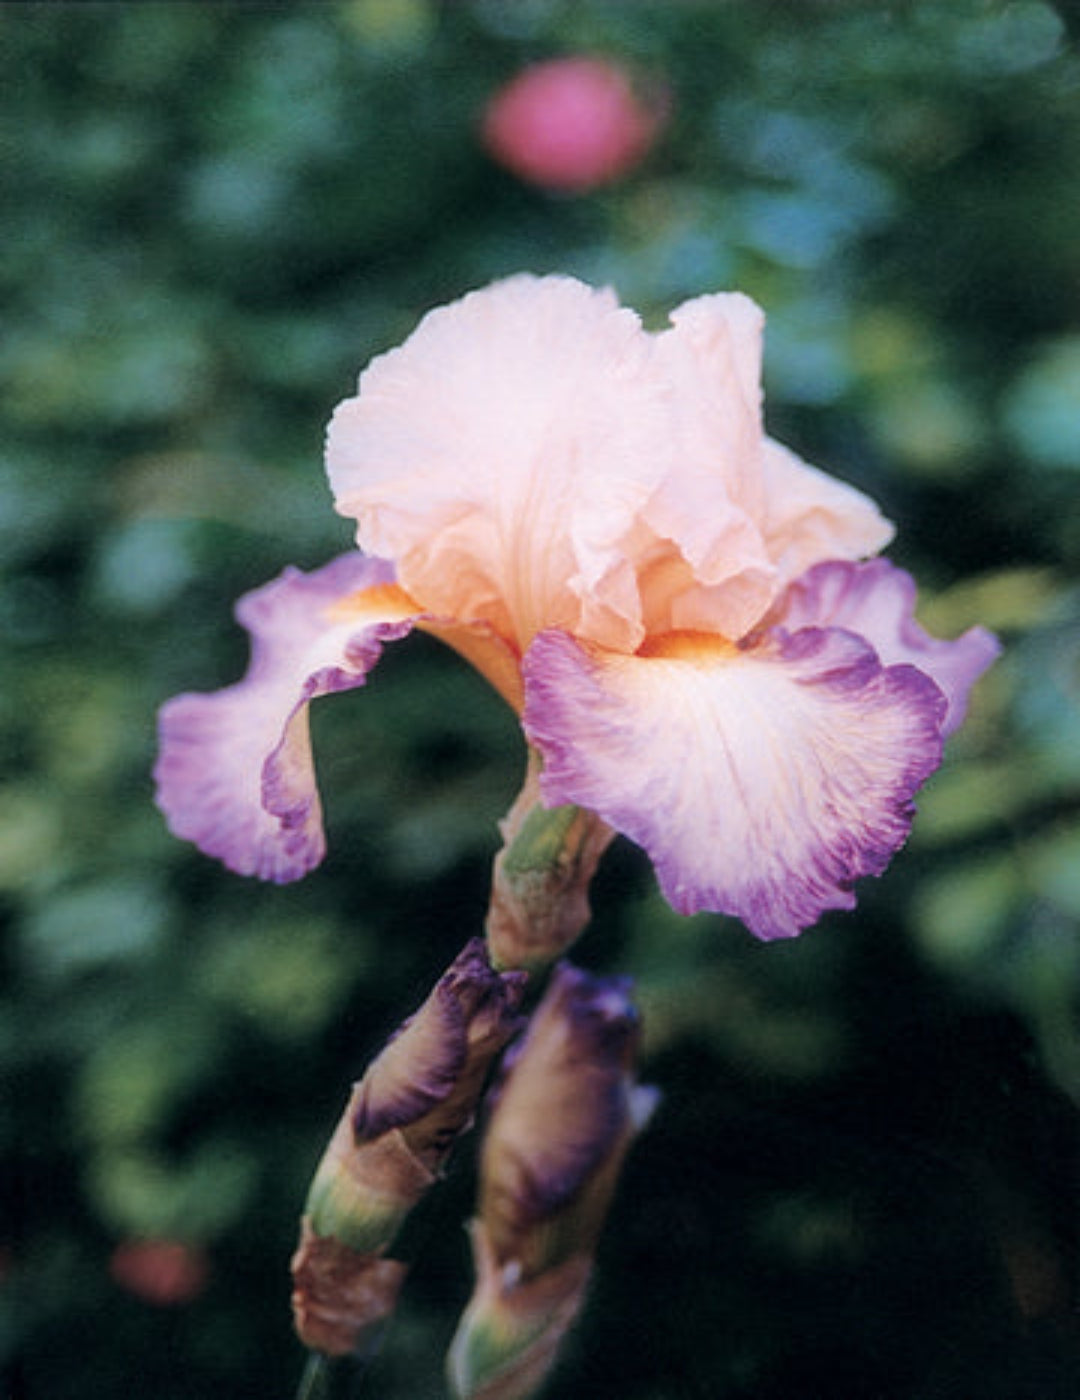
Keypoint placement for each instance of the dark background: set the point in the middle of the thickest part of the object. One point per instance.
(863, 1180)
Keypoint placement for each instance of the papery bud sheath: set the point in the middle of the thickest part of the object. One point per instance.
(389, 1146)
(563, 1120)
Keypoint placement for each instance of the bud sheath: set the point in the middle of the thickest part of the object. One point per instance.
(389, 1147)
(563, 1120)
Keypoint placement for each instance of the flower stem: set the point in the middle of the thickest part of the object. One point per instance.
(335, 1377)
(314, 1383)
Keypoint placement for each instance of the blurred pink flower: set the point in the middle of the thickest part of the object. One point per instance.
(571, 124)
(673, 602)
(166, 1273)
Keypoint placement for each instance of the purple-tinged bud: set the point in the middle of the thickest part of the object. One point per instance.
(390, 1144)
(563, 1119)
(429, 1077)
(540, 885)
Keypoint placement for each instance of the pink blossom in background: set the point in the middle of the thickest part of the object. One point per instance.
(166, 1273)
(571, 124)
(685, 616)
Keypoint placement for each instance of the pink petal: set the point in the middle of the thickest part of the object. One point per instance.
(531, 458)
(235, 772)
(809, 516)
(763, 780)
(711, 356)
(877, 600)
(743, 512)
(502, 455)
(711, 500)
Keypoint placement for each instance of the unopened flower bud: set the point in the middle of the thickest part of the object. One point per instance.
(389, 1146)
(562, 1122)
(540, 888)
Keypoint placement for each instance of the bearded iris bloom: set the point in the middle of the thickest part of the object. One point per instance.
(687, 618)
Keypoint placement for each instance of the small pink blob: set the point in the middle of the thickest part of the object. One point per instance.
(166, 1273)
(570, 124)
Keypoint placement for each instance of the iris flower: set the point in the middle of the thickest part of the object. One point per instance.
(686, 617)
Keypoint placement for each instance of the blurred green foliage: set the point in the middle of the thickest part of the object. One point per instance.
(864, 1179)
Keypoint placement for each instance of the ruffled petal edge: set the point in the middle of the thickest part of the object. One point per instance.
(763, 780)
(234, 772)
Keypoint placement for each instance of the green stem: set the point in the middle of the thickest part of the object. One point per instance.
(336, 1377)
(314, 1383)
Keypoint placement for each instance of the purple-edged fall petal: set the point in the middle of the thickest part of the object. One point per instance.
(234, 772)
(763, 779)
(877, 601)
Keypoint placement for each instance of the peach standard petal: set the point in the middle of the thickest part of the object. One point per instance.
(809, 516)
(532, 458)
(502, 456)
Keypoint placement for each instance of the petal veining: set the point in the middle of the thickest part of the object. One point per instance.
(235, 772)
(762, 780)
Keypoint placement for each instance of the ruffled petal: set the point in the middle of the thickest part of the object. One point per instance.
(710, 503)
(502, 455)
(762, 780)
(743, 514)
(877, 600)
(809, 516)
(711, 357)
(235, 772)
